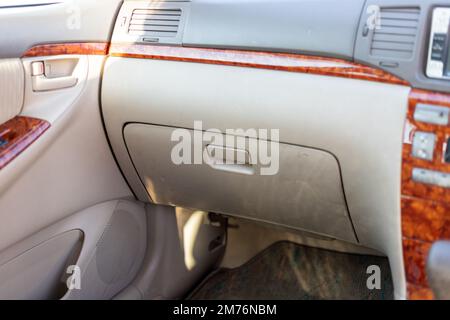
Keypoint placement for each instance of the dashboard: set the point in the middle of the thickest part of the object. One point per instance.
(401, 43)
(393, 43)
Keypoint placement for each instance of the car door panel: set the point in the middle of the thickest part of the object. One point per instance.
(56, 161)
(72, 151)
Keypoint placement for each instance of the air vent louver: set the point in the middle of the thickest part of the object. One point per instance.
(155, 22)
(397, 33)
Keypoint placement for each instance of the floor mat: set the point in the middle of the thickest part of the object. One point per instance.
(294, 272)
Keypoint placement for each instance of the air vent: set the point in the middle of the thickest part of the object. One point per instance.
(396, 36)
(155, 22)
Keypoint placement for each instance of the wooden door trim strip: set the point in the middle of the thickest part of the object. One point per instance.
(17, 134)
(52, 49)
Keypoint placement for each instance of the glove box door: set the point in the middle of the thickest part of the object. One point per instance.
(303, 190)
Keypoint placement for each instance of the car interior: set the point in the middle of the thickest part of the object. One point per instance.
(224, 149)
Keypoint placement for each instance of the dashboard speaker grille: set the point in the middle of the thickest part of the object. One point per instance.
(396, 34)
(155, 22)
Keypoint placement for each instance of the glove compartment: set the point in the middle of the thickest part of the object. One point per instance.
(302, 190)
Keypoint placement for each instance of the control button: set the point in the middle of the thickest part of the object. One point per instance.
(424, 176)
(423, 145)
(435, 69)
(431, 114)
(438, 45)
(437, 178)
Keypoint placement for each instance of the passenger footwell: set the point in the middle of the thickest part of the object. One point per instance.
(292, 272)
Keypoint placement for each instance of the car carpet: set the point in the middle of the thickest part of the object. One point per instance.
(295, 272)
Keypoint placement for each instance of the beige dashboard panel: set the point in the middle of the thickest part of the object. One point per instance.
(305, 193)
(12, 84)
(359, 122)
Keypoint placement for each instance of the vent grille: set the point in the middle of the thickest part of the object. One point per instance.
(397, 34)
(155, 22)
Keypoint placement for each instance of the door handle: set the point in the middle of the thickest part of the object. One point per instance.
(229, 159)
(41, 82)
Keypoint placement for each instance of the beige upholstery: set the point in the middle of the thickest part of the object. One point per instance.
(11, 88)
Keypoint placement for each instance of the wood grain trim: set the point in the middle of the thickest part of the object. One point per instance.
(419, 293)
(415, 253)
(52, 49)
(254, 59)
(19, 133)
(425, 208)
(425, 220)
